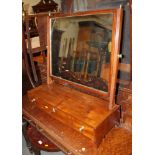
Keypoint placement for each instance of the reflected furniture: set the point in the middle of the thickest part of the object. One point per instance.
(36, 45)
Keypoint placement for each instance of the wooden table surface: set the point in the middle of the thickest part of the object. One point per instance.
(117, 142)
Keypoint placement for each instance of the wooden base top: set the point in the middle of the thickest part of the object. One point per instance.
(84, 113)
(90, 109)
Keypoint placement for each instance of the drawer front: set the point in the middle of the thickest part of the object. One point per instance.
(65, 118)
(88, 116)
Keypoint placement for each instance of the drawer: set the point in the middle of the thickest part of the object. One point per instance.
(66, 118)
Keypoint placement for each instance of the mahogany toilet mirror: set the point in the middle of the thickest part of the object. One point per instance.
(82, 63)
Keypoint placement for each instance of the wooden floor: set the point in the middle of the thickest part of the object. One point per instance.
(117, 142)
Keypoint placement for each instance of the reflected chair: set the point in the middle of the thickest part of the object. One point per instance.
(38, 47)
(25, 58)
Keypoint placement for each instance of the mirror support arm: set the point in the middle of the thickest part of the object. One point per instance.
(116, 49)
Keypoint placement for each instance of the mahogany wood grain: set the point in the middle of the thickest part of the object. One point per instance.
(67, 139)
(49, 81)
(60, 15)
(117, 141)
(76, 109)
(81, 88)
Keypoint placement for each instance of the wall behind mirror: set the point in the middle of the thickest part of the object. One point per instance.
(81, 49)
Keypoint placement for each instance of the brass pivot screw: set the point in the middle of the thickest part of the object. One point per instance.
(120, 56)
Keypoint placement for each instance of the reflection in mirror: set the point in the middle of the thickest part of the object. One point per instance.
(81, 48)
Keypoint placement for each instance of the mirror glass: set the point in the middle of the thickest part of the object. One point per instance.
(81, 49)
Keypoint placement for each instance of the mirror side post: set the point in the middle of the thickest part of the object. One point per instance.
(49, 80)
(118, 16)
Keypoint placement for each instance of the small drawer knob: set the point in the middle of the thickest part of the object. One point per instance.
(53, 110)
(83, 149)
(46, 145)
(40, 142)
(81, 128)
(46, 107)
(33, 100)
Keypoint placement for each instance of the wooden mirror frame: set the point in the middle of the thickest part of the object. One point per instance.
(114, 60)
